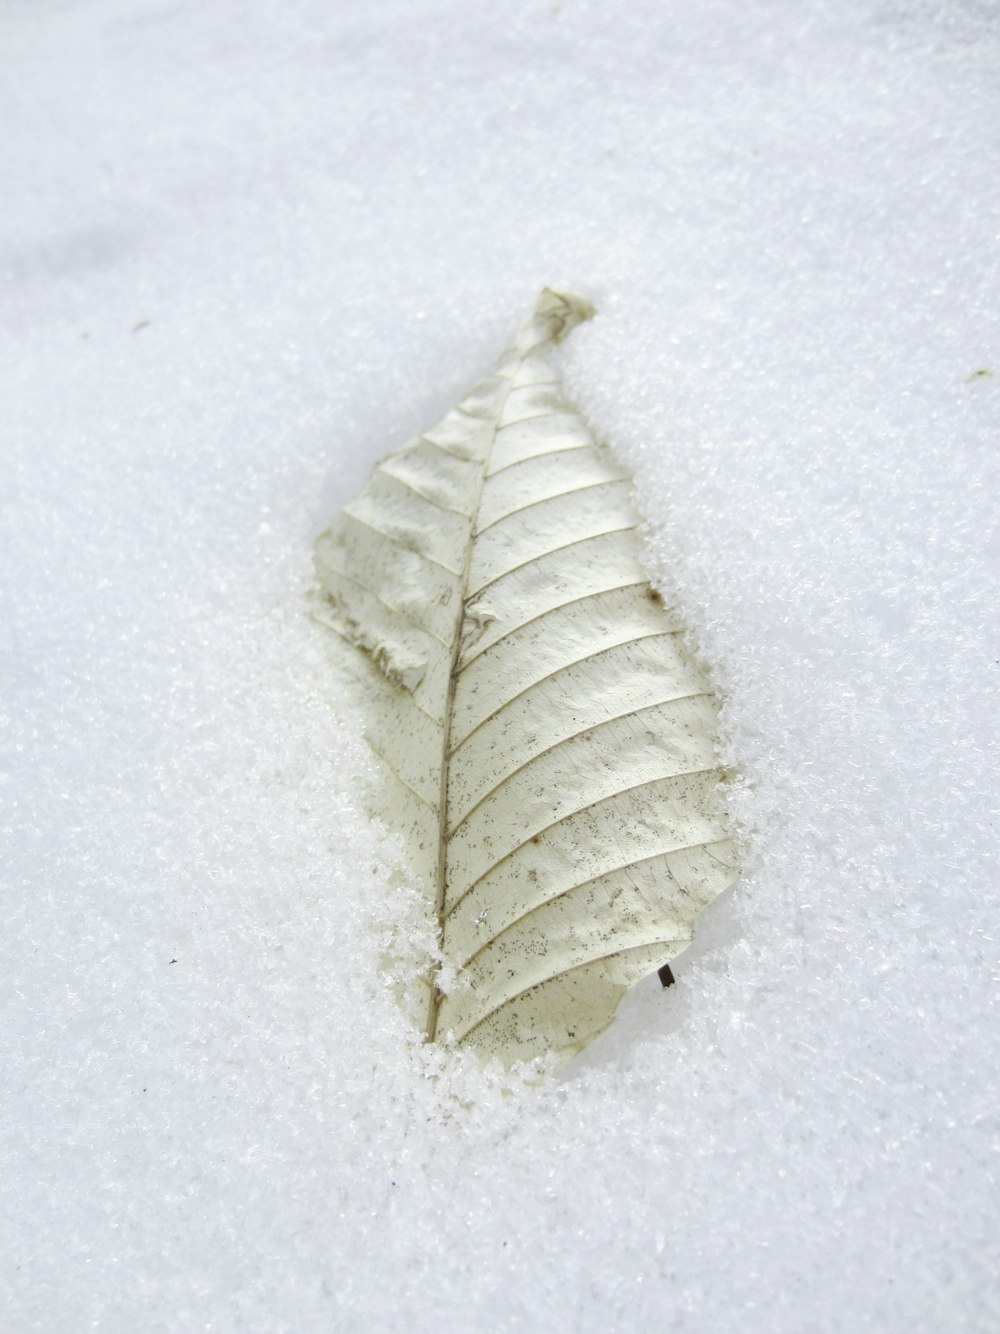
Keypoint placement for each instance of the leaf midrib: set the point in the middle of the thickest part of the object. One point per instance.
(449, 712)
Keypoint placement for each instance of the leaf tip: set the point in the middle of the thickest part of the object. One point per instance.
(556, 314)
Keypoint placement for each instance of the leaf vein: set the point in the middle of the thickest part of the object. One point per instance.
(544, 500)
(563, 546)
(415, 490)
(592, 727)
(705, 846)
(621, 792)
(401, 546)
(398, 611)
(550, 611)
(563, 667)
(665, 941)
(542, 454)
(406, 783)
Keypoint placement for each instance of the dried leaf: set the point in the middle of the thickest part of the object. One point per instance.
(547, 745)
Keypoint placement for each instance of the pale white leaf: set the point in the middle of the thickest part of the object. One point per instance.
(545, 741)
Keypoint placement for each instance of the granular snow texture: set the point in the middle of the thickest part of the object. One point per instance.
(245, 249)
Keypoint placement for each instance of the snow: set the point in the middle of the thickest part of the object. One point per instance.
(246, 249)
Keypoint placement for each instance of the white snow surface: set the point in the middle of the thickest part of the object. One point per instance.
(247, 248)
